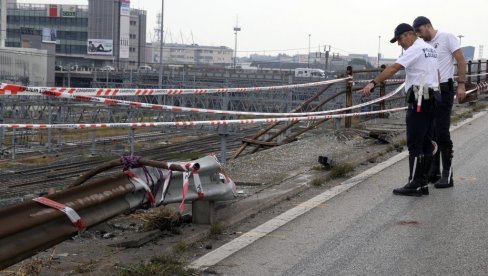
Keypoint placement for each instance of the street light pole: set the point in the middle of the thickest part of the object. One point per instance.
(308, 59)
(460, 36)
(236, 29)
(379, 50)
(161, 36)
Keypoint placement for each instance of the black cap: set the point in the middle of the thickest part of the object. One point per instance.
(419, 21)
(400, 29)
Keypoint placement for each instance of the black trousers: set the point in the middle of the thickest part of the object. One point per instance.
(419, 128)
(442, 117)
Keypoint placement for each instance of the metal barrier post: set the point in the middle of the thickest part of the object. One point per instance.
(131, 140)
(13, 143)
(224, 132)
(347, 120)
(49, 130)
(469, 71)
(486, 71)
(94, 141)
(478, 79)
(383, 93)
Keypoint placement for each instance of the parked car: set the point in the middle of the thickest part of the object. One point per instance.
(107, 68)
(145, 68)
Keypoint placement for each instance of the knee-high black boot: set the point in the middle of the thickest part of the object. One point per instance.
(435, 168)
(413, 187)
(428, 160)
(446, 180)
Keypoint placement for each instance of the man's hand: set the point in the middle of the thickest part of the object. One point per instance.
(366, 91)
(461, 92)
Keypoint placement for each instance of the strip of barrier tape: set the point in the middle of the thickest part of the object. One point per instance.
(198, 110)
(139, 183)
(73, 216)
(199, 123)
(11, 89)
(186, 184)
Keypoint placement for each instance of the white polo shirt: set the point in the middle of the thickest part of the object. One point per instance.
(419, 60)
(445, 44)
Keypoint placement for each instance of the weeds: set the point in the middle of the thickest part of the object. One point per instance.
(319, 181)
(165, 265)
(216, 229)
(340, 170)
(180, 247)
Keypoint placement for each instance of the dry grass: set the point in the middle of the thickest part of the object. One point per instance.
(162, 218)
(165, 265)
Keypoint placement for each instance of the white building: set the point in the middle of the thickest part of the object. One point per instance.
(189, 54)
(24, 66)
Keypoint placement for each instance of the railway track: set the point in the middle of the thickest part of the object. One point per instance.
(16, 184)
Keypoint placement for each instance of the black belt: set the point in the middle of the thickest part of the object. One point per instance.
(431, 89)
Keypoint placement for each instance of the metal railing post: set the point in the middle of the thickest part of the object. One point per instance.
(348, 120)
(469, 71)
(224, 131)
(382, 93)
(478, 79)
(94, 141)
(131, 140)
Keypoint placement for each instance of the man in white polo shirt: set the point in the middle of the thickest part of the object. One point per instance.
(448, 49)
(421, 83)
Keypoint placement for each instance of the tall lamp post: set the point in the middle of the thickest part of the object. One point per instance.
(161, 36)
(236, 29)
(308, 59)
(379, 50)
(460, 36)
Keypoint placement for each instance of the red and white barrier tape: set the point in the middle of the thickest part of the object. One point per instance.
(139, 183)
(9, 89)
(186, 184)
(198, 123)
(73, 216)
(197, 110)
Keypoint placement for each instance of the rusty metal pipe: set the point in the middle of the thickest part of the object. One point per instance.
(28, 214)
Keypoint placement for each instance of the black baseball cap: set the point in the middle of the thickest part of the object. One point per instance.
(400, 29)
(419, 21)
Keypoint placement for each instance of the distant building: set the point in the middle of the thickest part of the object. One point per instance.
(3, 22)
(24, 66)
(190, 54)
(106, 32)
(468, 52)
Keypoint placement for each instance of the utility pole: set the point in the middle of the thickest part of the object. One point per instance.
(308, 59)
(379, 50)
(460, 36)
(161, 36)
(236, 29)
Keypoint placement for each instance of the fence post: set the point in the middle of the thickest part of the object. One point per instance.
(382, 93)
(348, 120)
(1, 128)
(13, 143)
(469, 71)
(49, 130)
(94, 141)
(131, 140)
(224, 131)
(478, 79)
(486, 71)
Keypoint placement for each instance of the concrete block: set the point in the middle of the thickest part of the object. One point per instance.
(203, 212)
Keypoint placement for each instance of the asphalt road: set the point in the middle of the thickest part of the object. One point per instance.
(369, 231)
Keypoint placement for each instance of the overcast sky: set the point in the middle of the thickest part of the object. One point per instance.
(283, 26)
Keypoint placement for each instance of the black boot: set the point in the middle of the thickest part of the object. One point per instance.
(428, 160)
(446, 180)
(413, 187)
(435, 168)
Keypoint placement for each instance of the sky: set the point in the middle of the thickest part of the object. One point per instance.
(286, 26)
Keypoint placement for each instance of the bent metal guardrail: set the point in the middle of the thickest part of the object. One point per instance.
(36, 225)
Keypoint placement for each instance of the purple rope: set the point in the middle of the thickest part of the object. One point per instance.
(130, 162)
